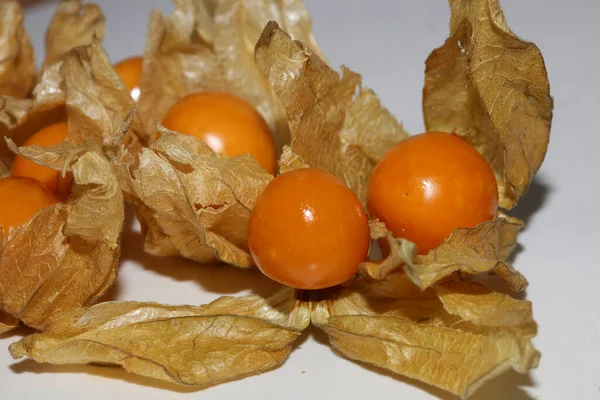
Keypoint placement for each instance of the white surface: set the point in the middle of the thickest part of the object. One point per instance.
(388, 41)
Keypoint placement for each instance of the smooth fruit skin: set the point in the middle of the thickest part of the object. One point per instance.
(308, 230)
(430, 184)
(226, 123)
(130, 71)
(46, 137)
(21, 199)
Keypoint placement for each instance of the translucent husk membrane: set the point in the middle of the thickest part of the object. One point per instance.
(419, 316)
(72, 248)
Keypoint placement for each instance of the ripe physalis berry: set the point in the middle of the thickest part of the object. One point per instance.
(20, 199)
(49, 136)
(308, 230)
(130, 71)
(430, 184)
(227, 124)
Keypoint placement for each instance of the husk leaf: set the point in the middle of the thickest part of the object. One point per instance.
(81, 87)
(69, 252)
(447, 337)
(483, 249)
(336, 124)
(491, 87)
(17, 60)
(7, 321)
(97, 100)
(228, 339)
(209, 46)
(193, 202)
(72, 25)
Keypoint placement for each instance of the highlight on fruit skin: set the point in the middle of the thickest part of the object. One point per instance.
(226, 123)
(20, 199)
(430, 184)
(308, 230)
(48, 136)
(130, 71)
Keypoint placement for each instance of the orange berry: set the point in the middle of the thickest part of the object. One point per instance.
(21, 199)
(226, 123)
(46, 137)
(130, 71)
(308, 230)
(430, 184)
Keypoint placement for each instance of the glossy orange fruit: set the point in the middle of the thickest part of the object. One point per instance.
(21, 199)
(226, 123)
(130, 71)
(48, 136)
(430, 184)
(308, 230)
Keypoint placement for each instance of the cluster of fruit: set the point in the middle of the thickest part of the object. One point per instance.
(308, 230)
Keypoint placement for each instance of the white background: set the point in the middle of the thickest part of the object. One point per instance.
(387, 41)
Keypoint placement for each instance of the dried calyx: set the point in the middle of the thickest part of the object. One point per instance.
(417, 315)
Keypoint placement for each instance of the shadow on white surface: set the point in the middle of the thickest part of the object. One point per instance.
(214, 278)
(17, 333)
(533, 201)
(34, 3)
(31, 367)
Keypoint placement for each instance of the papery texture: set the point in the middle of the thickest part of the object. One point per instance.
(483, 249)
(73, 25)
(66, 256)
(228, 339)
(447, 337)
(193, 202)
(81, 87)
(491, 87)
(335, 124)
(7, 322)
(96, 99)
(17, 61)
(209, 46)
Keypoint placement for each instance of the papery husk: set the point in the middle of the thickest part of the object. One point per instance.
(193, 202)
(72, 25)
(491, 87)
(456, 336)
(81, 87)
(209, 46)
(17, 60)
(228, 339)
(483, 249)
(7, 322)
(68, 252)
(444, 336)
(336, 124)
(97, 101)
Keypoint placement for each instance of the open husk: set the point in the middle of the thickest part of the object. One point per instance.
(209, 46)
(71, 248)
(225, 340)
(456, 336)
(335, 123)
(17, 60)
(72, 25)
(491, 87)
(81, 87)
(484, 249)
(198, 210)
(418, 316)
(69, 252)
(193, 202)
